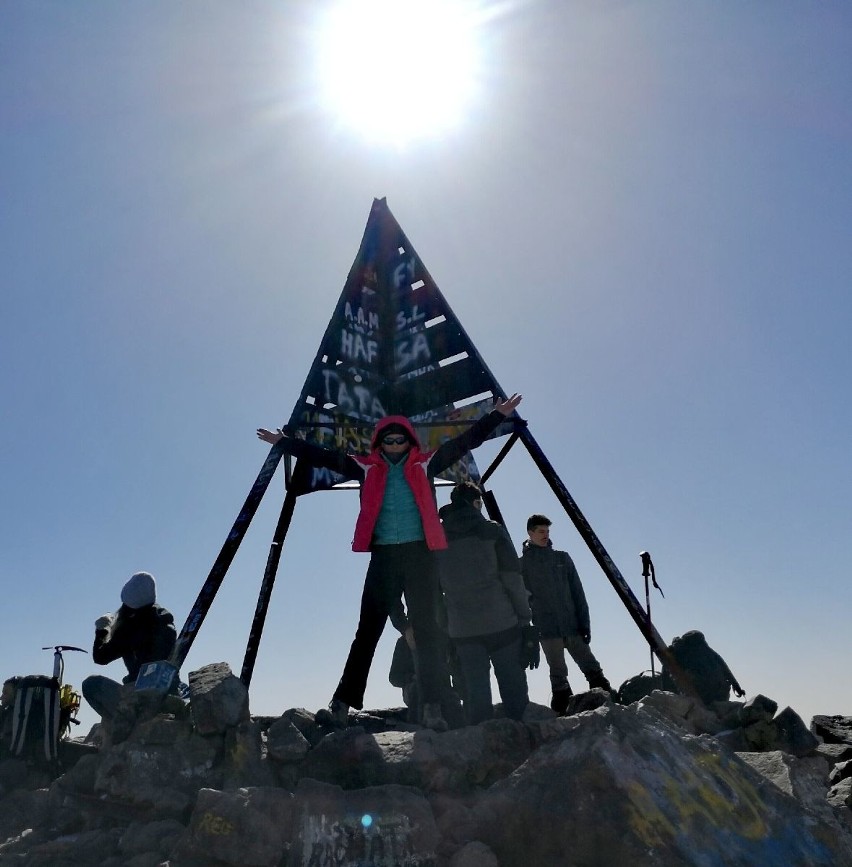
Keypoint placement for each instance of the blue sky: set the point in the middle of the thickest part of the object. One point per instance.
(643, 224)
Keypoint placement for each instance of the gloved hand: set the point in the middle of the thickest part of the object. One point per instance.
(530, 650)
(103, 623)
(586, 636)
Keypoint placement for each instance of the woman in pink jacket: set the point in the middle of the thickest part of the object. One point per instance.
(399, 525)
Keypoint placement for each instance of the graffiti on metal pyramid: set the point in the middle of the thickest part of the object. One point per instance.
(392, 347)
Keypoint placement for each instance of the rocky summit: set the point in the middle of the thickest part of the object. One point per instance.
(660, 781)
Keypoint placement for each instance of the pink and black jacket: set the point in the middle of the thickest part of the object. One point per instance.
(420, 470)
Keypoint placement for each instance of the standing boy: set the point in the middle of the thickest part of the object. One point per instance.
(559, 610)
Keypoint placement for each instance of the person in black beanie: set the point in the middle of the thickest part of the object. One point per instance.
(139, 632)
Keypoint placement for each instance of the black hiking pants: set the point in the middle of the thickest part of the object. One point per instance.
(406, 570)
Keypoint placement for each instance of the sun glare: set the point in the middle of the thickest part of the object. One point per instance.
(399, 70)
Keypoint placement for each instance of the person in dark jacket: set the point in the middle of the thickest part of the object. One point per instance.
(559, 610)
(710, 674)
(138, 633)
(398, 524)
(488, 612)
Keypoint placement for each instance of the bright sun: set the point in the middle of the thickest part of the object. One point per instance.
(399, 70)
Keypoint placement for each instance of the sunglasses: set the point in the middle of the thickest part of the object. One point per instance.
(394, 440)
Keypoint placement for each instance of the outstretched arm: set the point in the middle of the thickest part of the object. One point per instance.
(269, 436)
(452, 450)
(315, 455)
(508, 406)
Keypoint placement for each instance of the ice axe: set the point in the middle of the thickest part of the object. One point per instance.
(58, 662)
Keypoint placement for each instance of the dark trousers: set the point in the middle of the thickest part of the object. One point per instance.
(476, 657)
(103, 694)
(397, 570)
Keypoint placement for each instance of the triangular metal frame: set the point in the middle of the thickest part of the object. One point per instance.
(392, 347)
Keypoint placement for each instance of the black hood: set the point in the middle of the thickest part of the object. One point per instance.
(461, 519)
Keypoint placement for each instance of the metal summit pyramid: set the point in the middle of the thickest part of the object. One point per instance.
(393, 346)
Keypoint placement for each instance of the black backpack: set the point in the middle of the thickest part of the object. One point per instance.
(637, 687)
(35, 719)
(710, 674)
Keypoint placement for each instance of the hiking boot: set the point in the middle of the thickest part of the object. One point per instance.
(559, 700)
(597, 680)
(336, 715)
(433, 718)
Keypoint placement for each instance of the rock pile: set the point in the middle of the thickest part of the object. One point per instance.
(662, 781)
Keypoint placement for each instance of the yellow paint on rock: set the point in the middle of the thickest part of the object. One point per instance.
(716, 798)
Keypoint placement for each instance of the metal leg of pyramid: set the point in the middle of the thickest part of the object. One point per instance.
(267, 584)
(499, 459)
(392, 346)
(225, 558)
(490, 503)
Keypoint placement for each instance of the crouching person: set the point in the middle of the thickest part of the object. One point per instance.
(488, 613)
(710, 675)
(138, 633)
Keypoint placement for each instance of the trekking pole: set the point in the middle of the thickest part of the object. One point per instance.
(299, 475)
(648, 572)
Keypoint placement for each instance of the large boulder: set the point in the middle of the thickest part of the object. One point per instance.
(462, 759)
(759, 708)
(218, 700)
(247, 828)
(153, 839)
(160, 768)
(383, 826)
(802, 778)
(793, 735)
(684, 711)
(641, 784)
(627, 787)
(833, 729)
(285, 743)
(243, 762)
(834, 753)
